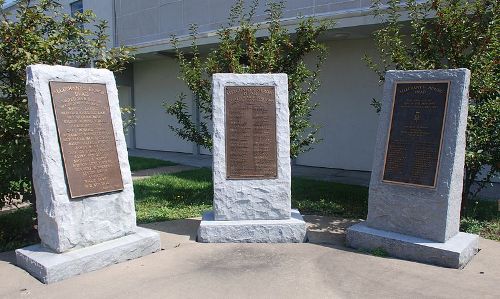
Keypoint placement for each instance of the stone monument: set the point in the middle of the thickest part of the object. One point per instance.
(81, 176)
(416, 182)
(251, 162)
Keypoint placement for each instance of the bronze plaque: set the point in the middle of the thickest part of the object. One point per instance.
(86, 137)
(251, 132)
(416, 131)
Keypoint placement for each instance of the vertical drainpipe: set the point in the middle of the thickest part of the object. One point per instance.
(196, 114)
(113, 23)
(129, 69)
(132, 102)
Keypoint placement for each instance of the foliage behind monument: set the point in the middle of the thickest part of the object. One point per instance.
(244, 48)
(40, 33)
(447, 34)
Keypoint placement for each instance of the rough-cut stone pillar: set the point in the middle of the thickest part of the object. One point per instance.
(250, 208)
(419, 221)
(85, 233)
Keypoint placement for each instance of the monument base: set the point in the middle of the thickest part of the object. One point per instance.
(49, 267)
(454, 253)
(291, 230)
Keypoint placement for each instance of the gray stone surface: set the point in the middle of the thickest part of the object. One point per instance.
(167, 17)
(88, 233)
(65, 224)
(456, 252)
(323, 268)
(251, 199)
(291, 230)
(413, 222)
(423, 212)
(49, 267)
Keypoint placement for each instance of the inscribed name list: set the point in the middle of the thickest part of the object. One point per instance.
(251, 132)
(86, 137)
(414, 145)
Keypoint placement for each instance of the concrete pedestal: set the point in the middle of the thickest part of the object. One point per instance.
(291, 230)
(456, 252)
(49, 267)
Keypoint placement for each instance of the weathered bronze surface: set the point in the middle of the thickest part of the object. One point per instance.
(86, 137)
(251, 132)
(417, 121)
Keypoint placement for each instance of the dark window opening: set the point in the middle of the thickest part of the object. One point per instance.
(76, 7)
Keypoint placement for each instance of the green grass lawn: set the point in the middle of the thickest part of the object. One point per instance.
(189, 193)
(483, 218)
(173, 196)
(139, 163)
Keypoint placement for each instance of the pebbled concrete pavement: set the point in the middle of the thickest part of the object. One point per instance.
(146, 173)
(323, 268)
(352, 177)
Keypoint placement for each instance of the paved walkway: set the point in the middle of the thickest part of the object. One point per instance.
(12, 207)
(328, 174)
(180, 158)
(323, 268)
(142, 174)
(351, 177)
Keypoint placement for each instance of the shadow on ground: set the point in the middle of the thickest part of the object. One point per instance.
(321, 230)
(327, 230)
(175, 232)
(8, 257)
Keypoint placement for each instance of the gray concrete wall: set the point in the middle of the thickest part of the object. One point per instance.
(103, 9)
(155, 81)
(147, 21)
(348, 121)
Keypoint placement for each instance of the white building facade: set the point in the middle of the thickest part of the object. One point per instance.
(348, 121)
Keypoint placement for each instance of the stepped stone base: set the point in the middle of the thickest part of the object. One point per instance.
(291, 230)
(454, 253)
(49, 267)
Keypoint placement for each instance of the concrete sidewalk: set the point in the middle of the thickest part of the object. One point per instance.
(180, 158)
(146, 173)
(351, 177)
(323, 268)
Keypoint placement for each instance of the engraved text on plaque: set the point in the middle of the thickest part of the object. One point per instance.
(414, 145)
(251, 132)
(86, 137)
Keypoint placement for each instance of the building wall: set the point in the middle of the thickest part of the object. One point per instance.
(154, 82)
(349, 123)
(146, 21)
(125, 99)
(103, 9)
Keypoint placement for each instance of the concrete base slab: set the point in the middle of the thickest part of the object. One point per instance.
(291, 230)
(49, 267)
(454, 253)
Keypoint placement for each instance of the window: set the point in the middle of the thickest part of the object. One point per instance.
(76, 6)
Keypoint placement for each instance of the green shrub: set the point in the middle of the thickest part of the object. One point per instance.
(17, 229)
(447, 34)
(40, 33)
(240, 50)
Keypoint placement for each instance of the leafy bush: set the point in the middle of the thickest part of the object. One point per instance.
(17, 229)
(40, 33)
(446, 34)
(482, 217)
(240, 50)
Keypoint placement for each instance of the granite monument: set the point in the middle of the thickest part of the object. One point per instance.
(416, 182)
(81, 176)
(251, 162)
